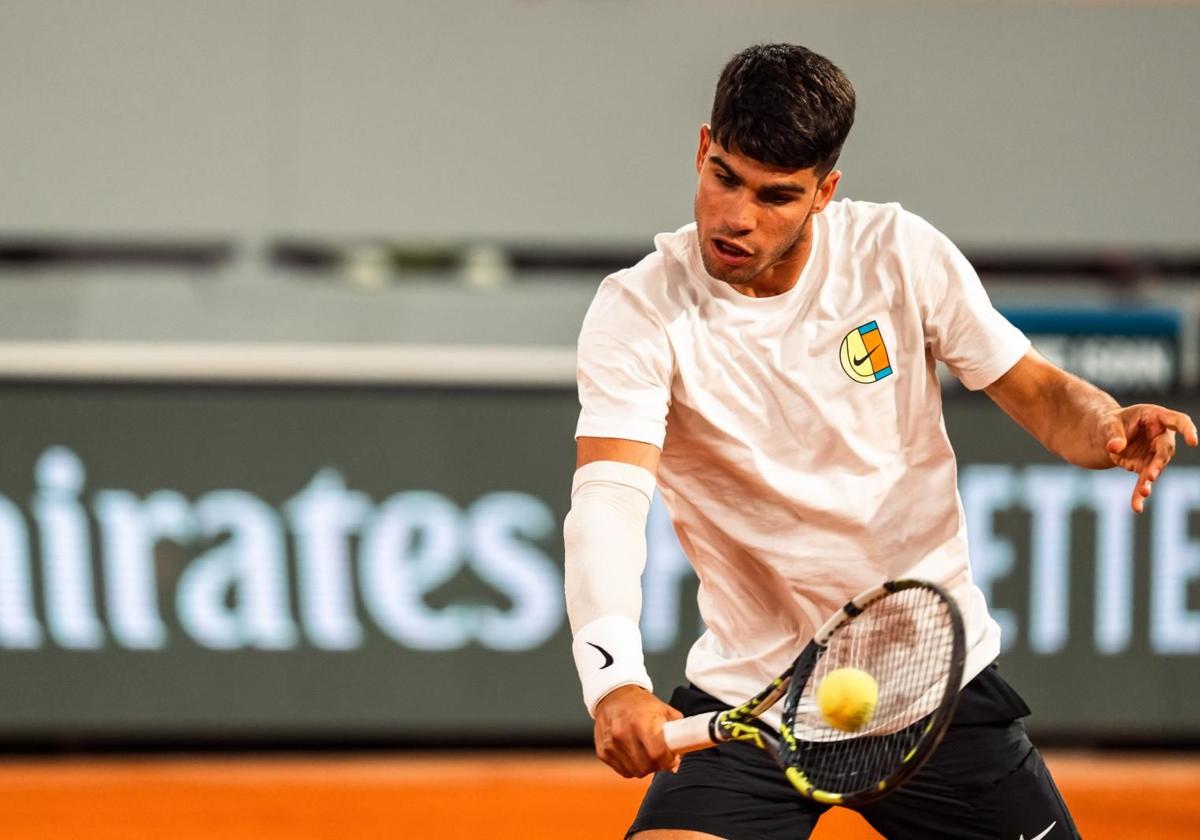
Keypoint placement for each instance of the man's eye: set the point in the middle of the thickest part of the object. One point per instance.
(727, 180)
(778, 200)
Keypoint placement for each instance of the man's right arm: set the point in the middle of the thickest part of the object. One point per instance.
(605, 553)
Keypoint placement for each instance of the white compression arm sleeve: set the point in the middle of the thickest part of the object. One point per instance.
(605, 540)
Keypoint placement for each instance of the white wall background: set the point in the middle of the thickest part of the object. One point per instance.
(1020, 124)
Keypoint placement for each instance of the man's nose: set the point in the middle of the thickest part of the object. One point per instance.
(739, 216)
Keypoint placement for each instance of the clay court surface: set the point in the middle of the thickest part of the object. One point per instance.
(467, 796)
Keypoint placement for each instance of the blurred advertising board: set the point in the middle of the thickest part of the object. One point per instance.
(1125, 351)
(252, 561)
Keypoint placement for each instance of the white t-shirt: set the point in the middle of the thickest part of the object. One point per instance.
(804, 454)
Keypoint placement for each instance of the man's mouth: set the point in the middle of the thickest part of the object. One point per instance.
(730, 252)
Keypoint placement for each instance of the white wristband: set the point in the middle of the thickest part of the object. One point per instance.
(608, 655)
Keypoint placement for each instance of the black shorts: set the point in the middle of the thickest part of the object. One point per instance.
(985, 781)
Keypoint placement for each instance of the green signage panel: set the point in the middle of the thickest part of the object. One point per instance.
(182, 560)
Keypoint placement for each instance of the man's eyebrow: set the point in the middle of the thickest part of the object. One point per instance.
(784, 188)
(720, 161)
(769, 188)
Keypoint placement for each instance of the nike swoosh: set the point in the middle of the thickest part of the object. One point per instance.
(608, 660)
(1043, 834)
(858, 362)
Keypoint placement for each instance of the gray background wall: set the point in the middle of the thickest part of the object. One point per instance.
(1015, 124)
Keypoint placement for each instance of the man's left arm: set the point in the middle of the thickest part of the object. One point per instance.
(1086, 427)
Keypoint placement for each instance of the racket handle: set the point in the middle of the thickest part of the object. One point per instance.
(689, 734)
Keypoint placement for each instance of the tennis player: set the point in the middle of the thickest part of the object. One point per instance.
(771, 368)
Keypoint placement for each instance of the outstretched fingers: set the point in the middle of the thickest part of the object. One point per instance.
(1162, 451)
(1180, 422)
(1159, 451)
(1142, 439)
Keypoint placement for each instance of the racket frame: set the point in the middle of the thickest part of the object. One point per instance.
(737, 724)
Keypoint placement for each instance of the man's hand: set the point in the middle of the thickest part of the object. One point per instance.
(1053, 405)
(629, 737)
(1141, 439)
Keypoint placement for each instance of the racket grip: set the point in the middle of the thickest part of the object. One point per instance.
(689, 734)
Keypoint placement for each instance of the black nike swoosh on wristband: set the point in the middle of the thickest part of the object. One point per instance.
(608, 660)
(858, 362)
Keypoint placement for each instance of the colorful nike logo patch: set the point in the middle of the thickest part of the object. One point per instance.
(864, 356)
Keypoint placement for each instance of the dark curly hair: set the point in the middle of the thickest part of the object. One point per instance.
(785, 106)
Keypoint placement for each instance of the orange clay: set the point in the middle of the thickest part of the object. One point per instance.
(494, 796)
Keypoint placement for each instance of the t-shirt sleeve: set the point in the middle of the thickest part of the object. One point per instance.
(962, 328)
(623, 368)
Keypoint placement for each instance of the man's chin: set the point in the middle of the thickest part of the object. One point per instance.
(727, 274)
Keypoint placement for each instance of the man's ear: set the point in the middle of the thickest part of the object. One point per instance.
(705, 142)
(826, 190)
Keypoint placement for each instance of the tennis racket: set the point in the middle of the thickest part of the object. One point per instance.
(908, 635)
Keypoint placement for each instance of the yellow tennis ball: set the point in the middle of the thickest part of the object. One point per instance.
(847, 698)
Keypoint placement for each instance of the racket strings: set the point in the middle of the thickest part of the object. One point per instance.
(905, 641)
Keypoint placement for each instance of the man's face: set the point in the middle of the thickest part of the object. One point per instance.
(753, 219)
